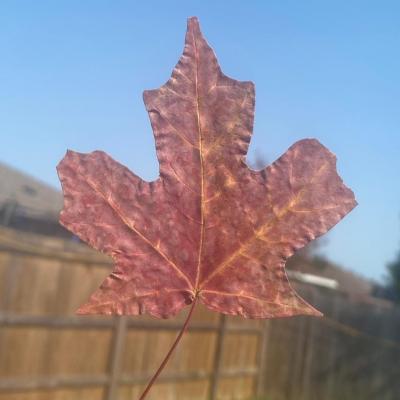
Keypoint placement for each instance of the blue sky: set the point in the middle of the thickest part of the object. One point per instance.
(72, 75)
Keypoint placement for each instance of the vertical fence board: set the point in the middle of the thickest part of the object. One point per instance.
(262, 359)
(217, 358)
(116, 357)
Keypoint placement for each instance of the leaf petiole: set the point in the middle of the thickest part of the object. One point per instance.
(171, 350)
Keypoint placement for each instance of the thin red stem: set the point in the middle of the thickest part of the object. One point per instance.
(171, 350)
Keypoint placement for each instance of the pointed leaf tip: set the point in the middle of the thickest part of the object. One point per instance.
(193, 23)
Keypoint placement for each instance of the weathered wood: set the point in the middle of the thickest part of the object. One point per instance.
(115, 359)
(45, 247)
(187, 376)
(262, 359)
(84, 322)
(51, 382)
(55, 322)
(64, 256)
(39, 336)
(216, 373)
(332, 354)
(308, 358)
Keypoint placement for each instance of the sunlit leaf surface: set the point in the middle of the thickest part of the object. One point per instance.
(209, 228)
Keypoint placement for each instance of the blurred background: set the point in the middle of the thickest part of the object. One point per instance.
(71, 77)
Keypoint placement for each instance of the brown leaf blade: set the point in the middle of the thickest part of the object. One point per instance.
(209, 227)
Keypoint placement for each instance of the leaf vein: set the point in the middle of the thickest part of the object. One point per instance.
(131, 226)
(264, 228)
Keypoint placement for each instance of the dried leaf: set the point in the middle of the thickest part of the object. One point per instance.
(209, 227)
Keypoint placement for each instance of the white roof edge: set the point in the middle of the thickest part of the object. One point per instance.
(313, 279)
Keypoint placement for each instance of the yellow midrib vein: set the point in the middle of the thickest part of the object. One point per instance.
(135, 230)
(202, 222)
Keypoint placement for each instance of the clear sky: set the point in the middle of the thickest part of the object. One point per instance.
(72, 75)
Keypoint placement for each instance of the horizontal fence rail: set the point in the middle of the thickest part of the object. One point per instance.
(93, 322)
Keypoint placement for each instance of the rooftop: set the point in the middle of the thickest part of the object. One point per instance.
(27, 195)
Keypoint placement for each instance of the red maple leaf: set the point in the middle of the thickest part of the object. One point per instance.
(209, 229)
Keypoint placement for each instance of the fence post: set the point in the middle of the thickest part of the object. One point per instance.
(308, 359)
(332, 353)
(262, 358)
(217, 358)
(297, 362)
(120, 330)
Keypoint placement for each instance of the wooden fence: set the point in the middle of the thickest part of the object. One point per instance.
(353, 353)
(48, 353)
